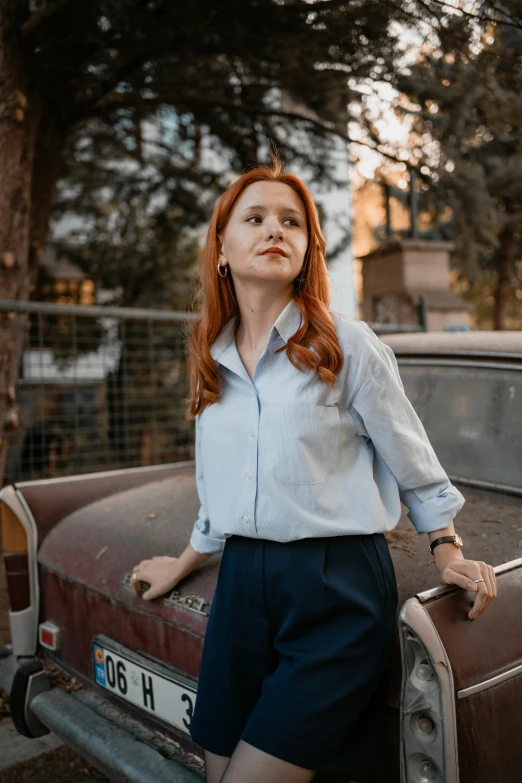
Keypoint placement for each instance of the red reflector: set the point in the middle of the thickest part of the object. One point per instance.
(47, 638)
(49, 635)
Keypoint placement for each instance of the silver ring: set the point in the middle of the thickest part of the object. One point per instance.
(479, 580)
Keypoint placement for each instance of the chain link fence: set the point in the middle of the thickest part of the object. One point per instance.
(98, 388)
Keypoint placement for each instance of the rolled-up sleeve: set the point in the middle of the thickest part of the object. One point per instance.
(202, 539)
(399, 436)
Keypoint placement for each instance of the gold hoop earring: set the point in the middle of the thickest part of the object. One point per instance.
(219, 267)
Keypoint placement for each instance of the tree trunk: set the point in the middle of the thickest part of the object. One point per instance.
(47, 170)
(505, 272)
(17, 134)
(30, 161)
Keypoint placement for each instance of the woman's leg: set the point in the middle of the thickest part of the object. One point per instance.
(237, 654)
(214, 766)
(252, 765)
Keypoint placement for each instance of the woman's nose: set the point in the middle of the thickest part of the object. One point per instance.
(273, 229)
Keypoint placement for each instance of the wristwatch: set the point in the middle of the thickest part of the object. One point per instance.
(456, 539)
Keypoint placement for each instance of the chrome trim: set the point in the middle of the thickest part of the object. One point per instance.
(479, 484)
(435, 592)
(414, 617)
(104, 473)
(485, 684)
(425, 349)
(112, 746)
(23, 625)
(195, 603)
(457, 362)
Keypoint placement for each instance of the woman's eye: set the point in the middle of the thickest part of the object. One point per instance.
(294, 221)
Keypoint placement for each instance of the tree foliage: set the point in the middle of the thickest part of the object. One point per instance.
(166, 82)
(461, 96)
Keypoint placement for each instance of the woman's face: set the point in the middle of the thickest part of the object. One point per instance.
(266, 214)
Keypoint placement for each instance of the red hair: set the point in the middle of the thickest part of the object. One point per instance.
(218, 302)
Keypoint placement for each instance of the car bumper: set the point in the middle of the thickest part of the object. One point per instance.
(111, 744)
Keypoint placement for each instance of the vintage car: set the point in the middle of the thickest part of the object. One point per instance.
(454, 701)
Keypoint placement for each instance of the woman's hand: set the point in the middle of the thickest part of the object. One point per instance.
(159, 572)
(462, 572)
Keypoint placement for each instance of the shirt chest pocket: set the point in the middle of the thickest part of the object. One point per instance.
(299, 441)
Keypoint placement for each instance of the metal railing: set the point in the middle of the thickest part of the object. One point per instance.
(101, 388)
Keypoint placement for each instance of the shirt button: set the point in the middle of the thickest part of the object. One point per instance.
(245, 519)
(249, 475)
(251, 433)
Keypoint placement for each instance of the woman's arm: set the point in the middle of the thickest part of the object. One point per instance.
(188, 561)
(163, 572)
(444, 553)
(378, 401)
(398, 434)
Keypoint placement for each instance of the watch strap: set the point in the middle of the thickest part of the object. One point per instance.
(443, 540)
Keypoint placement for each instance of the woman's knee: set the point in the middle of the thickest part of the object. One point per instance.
(215, 766)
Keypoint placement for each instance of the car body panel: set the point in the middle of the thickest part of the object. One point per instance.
(488, 730)
(119, 531)
(50, 500)
(472, 645)
(473, 670)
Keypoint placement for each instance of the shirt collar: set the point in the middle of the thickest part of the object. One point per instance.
(286, 324)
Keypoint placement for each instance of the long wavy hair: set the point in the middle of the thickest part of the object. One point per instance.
(215, 298)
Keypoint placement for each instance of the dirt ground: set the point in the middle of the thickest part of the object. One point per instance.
(62, 765)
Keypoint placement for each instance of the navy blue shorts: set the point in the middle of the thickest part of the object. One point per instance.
(296, 651)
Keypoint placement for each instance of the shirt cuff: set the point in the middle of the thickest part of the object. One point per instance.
(205, 544)
(438, 512)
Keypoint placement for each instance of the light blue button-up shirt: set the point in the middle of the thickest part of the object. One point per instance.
(286, 456)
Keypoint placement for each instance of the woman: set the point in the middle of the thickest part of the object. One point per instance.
(305, 446)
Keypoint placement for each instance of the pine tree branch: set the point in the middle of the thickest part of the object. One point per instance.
(399, 6)
(478, 17)
(87, 100)
(504, 12)
(262, 111)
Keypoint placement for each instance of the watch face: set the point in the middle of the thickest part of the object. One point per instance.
(459, 540)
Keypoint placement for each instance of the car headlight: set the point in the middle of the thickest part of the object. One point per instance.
(427, 705)
(19, 540)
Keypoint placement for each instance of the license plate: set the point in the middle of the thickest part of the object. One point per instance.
(133, 679)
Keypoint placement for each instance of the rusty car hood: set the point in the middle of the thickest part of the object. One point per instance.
(98, 545)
